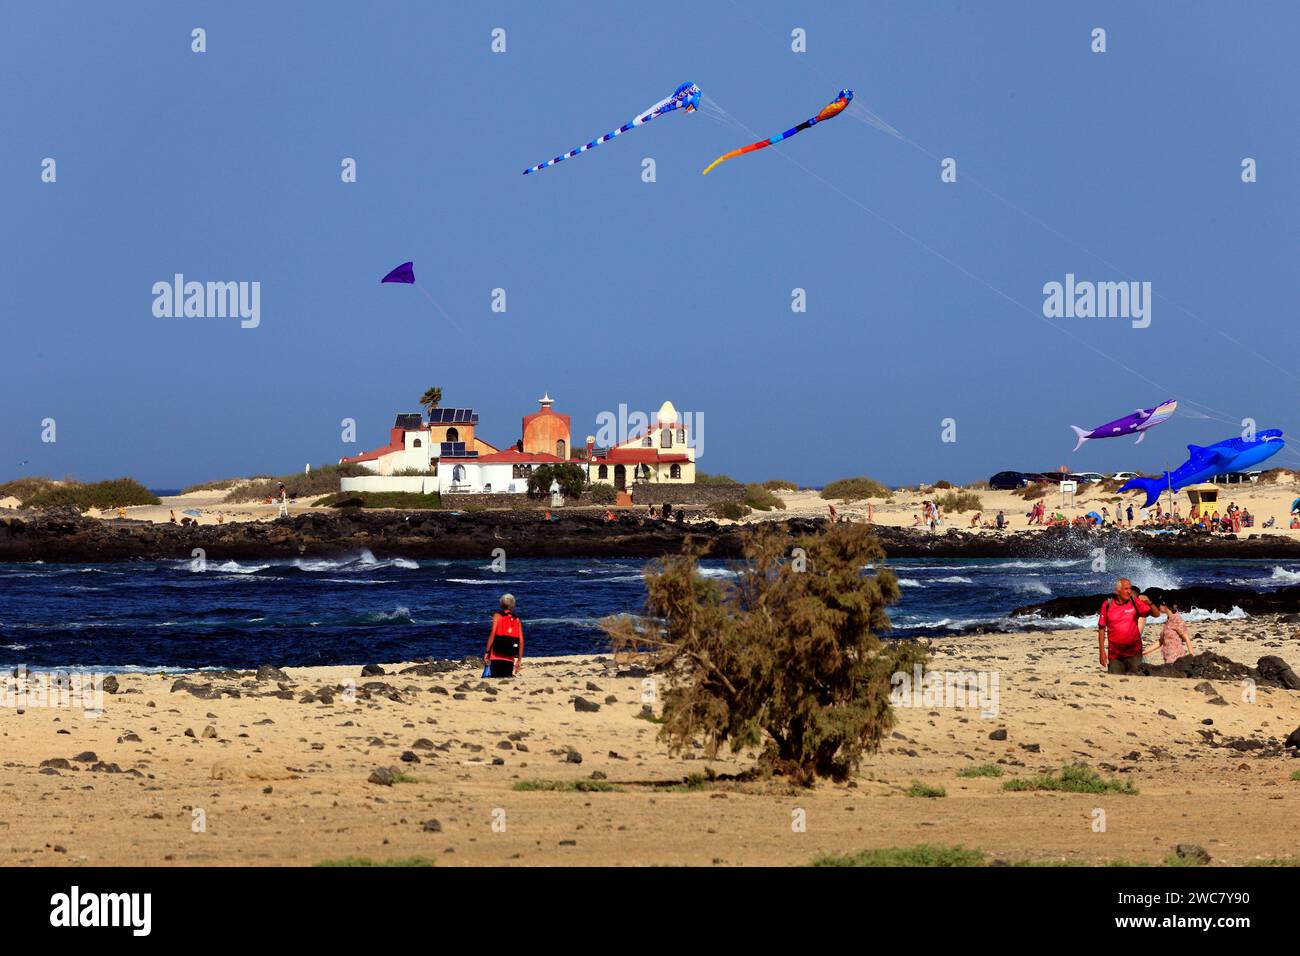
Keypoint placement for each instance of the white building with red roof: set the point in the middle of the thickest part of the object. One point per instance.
(663, 453)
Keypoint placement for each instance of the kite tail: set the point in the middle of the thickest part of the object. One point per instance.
(667, 106)
(1153, 487)
(734, 153)
(1081, 434)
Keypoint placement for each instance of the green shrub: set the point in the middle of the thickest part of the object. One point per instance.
(760, 499)
(599, 493)
(919, 789)
(741, 657)
(780, 484)
(572, 479)
(955, 502)
(732, 511)
(118, 493)
(942, 485)
(1033, 490)
(1073, 778)
(702, 479)
(923, 854)
(983, 770)
(24, 489)
(856, 489)
(415, 473)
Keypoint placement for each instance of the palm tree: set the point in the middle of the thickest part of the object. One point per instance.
(431, 398)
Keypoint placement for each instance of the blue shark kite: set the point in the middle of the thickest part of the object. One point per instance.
(1234, 454)
(686, 96)
(1138, 422)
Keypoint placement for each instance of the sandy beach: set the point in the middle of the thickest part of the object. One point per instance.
(209, 778)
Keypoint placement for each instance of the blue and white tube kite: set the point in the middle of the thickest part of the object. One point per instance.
(686, 96)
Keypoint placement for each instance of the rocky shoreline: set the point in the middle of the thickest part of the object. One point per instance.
(63, 535)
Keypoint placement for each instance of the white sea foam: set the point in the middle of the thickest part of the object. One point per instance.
(234, 567)
(1284, 576)
(485, 581)
(1030, 586)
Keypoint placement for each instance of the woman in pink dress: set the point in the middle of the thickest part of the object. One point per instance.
(1174, 642)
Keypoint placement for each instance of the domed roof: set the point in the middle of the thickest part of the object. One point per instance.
(667, 414)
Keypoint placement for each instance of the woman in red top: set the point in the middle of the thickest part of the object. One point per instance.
(505, 648)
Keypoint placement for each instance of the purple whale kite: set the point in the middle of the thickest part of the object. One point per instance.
(1138, 422)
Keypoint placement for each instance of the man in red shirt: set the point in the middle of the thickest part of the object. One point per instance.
(1119, 629)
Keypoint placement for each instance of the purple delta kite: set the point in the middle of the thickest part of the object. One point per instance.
(1138, 423)
(403, 273)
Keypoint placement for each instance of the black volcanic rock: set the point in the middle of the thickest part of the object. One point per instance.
(64, 535)
(1281, 601)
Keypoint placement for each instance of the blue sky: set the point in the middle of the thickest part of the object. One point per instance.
(924, 298)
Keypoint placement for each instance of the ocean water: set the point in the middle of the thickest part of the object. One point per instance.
(167, 615)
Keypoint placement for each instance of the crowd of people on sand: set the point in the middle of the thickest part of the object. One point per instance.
(1120, 623)
(1155, 518)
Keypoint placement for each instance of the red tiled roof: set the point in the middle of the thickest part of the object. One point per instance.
(372, 455)
(640, 456)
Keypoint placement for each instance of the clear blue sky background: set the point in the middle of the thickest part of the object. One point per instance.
(225, 166)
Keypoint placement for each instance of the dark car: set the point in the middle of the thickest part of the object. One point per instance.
(1008, 481)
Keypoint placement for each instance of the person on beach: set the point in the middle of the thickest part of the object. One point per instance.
(1001, 521)
(1130, 515)
(1119, 629)
(505, 647)
(283, 497)
(1173, 642)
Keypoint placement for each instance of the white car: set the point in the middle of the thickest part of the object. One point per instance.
(1124, 475)
(1089, 476)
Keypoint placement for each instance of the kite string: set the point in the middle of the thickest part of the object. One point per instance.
(978, 279)
(441, 310)
(873, 119)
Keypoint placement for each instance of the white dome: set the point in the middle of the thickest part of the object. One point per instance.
(667, 414)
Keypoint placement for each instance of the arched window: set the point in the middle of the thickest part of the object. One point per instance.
(681, 436)
(458, 474)
(666, 438)
(559, 449)
(603, 473)
(675, 471)
(453, 435)
(648, 441)
(416, 444)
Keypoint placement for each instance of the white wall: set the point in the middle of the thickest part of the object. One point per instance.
(415, 484)
(479, 476)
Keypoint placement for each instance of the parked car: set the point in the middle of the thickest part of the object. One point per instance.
(1088, 476)
(1008, 481)
(1124, 475)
